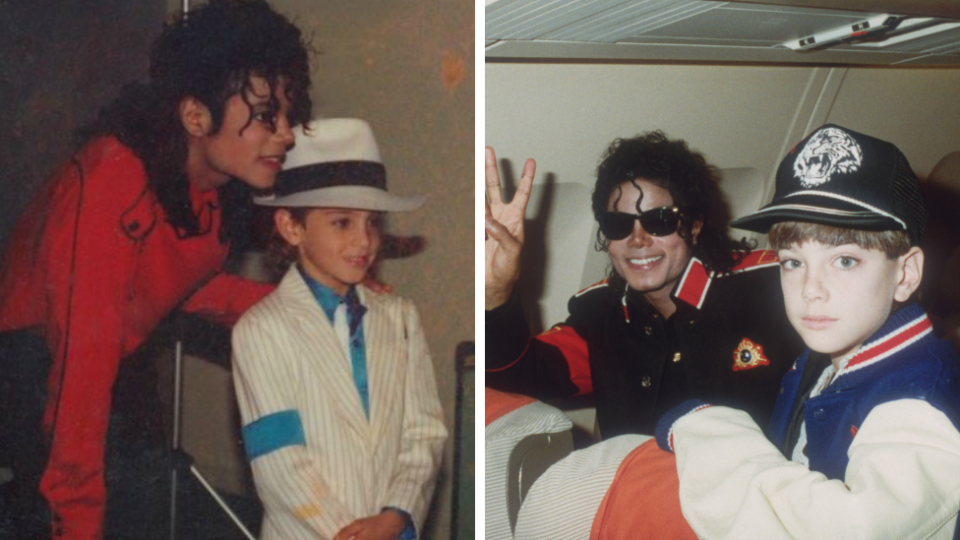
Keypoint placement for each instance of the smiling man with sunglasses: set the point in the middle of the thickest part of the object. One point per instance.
(685, 311)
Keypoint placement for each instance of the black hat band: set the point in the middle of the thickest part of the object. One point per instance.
(332, 174)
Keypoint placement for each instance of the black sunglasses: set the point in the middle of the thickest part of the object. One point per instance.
(662, 221)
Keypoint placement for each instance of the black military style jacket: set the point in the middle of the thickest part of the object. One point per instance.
(729, 343)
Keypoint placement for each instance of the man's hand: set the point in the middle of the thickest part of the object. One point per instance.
(386, 525)
(377, 286)
(504, 232)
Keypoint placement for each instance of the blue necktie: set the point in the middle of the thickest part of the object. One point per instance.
(329, 301)
(358, 355)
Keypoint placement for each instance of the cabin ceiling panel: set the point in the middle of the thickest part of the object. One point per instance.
(713, 31)
(771, 26)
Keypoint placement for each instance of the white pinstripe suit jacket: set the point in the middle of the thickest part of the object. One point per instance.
(287, 358)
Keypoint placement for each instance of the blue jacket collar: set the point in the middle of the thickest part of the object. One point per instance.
(904, 328)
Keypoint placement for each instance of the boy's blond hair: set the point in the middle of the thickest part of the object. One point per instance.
(786, 233)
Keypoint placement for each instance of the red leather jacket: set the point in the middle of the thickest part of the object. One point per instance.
(93, 267)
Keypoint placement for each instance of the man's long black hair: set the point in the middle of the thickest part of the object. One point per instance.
(210, 55)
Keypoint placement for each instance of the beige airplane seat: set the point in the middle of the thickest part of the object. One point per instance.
(530, 458)
(940, 290)
(523, 437)
(559, 238)
(563, 503)
(623, 488)
(744, 192)
(558, 228)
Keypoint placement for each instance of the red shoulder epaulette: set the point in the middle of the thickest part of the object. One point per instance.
(597, 285)
(696, 280)
(694, 283)
(757, 259)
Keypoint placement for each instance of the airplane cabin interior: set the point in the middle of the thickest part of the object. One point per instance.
(741, 83)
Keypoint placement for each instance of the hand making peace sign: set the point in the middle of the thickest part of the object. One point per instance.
(504, 231)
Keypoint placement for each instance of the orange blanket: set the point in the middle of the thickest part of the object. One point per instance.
(643, 501)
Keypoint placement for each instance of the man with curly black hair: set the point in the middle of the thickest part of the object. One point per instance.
(685, 311)
(139, 222)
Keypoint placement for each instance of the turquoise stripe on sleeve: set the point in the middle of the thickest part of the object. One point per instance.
(273, 432)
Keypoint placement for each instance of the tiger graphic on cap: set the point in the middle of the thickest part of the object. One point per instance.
(828, 151)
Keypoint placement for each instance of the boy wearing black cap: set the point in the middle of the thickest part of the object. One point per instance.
(342, 423)
(865, 440)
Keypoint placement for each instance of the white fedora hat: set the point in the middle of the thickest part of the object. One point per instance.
(336, 165)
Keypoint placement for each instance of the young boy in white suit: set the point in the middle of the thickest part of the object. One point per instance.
(342, 423)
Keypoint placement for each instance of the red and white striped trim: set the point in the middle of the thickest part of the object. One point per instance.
(696, 280)
(890, 344)
(755, 260)
(597, 285)
(694, 283)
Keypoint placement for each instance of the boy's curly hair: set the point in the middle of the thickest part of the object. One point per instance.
(280, 255)
(692, 183)
(210, 55)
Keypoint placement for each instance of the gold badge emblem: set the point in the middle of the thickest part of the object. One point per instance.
(748, 355)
